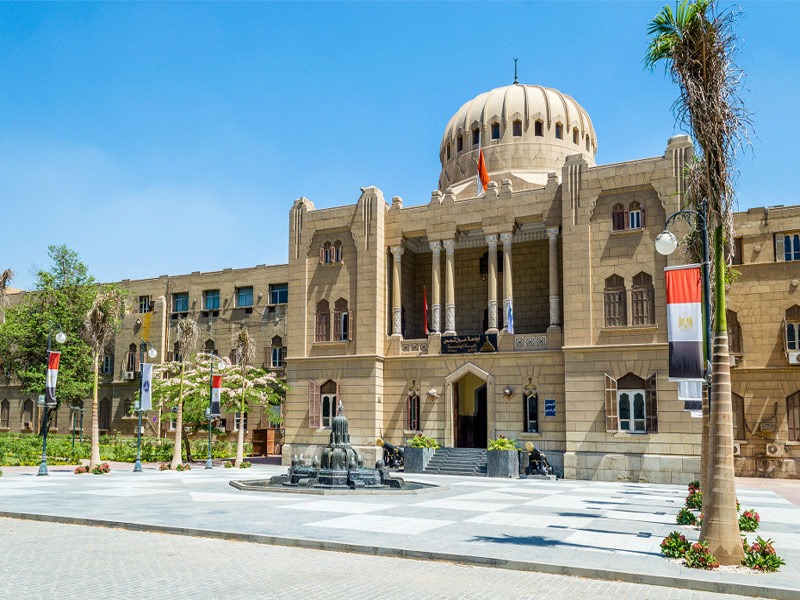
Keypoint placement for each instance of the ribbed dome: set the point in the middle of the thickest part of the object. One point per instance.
(522, 129)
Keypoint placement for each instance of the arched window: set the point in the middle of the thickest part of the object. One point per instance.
(341, 321)
(643, 300)
(792, 328)
(734, 332)
(412, 411)
(27, 414)
(5, 410)
(618, 217)
(177, 356)
(559, 131)
(737, 404)
(517, 128)
(538, 128)
(325, 253)
(277, 353)
(495, 131)
(615, 309)
(336, 252)
(328, 402)
(530, 409)
(459, 143)
(793, 416)
(209, 347)
(587, 143)
(104, 416)
(322, 329)
(476, 136)
(575, 137)
(631, 404)
(635, 216)
(130, 359)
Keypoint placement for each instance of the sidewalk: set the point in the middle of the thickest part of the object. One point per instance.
(597, 530)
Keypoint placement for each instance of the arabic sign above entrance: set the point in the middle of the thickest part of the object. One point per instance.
(466, 344)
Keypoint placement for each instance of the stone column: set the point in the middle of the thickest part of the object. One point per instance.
(436, 275)
(449, 288)
(491, 240)
(555, 297)
(508, 288)
(397, 310)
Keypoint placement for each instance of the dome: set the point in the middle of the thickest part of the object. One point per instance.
(526, 131)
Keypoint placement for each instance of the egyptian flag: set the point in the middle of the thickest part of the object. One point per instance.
(482, 179)
(216, 384)
(52, 376)
(684, 323)
(425, 308)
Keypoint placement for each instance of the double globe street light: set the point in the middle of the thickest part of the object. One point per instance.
(151, 352)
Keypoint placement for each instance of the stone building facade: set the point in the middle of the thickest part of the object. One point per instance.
(534, 309)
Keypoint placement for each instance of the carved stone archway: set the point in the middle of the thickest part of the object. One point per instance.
(449, 399)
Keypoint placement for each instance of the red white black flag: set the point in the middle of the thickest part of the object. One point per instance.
(216, 384)
(52, 376)
(684, 323)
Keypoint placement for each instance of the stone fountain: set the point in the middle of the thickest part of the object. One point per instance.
(339, 468)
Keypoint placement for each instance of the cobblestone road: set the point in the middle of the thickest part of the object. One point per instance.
(55, 561)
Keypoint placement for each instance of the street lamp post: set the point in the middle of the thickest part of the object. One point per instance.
(209, 411)
(60, 338)
(666, 243)
(137, 467)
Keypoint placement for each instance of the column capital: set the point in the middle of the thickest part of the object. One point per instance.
(506, 238)
(491, 240)
(397, 251)
(449, 246)
(552, 232)
(436, 247)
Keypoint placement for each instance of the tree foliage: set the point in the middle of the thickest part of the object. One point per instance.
(61, 298)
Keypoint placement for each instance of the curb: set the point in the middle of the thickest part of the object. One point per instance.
(719, 587)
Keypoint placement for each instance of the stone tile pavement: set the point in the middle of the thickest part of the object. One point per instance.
(603, 531)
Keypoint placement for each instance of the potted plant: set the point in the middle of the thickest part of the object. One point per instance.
(418, 452)
(502, 458)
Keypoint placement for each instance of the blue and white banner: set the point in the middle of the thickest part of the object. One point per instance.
(145, 401)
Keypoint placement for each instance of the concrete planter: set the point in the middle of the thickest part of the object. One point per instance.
(416, 459)
(502, 463)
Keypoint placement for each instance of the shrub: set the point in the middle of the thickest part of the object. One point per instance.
(246, 464)
(694, 486)
(501, 443)
(163, 467)
(101, 469)
(695, 500)
(749, 520)
(698, 556)
(423, 441)
(228, 465)
(184, 467)
(761, 556)
(685, 517)
(81, 469)
(675, 545)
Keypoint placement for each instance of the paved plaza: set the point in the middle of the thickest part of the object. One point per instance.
(524, 529)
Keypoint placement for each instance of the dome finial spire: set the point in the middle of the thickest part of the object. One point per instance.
(515, 71)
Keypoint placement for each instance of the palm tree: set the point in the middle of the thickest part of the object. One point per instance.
(696, 43)
(100, 324)
(245, 352)
(5, 278)
(187, 336)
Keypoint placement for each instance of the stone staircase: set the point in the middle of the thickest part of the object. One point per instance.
(458, 461)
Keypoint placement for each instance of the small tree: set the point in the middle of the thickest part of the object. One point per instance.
(102, 321)
(245, 352)
(188, 334)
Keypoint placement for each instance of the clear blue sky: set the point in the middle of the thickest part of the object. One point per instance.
(158, 138)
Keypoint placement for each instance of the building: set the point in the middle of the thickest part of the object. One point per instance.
(534, 309)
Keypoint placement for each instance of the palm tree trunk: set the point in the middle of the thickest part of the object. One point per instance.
(176, 449)
(720, 517)
(95, 453)
(240, 437)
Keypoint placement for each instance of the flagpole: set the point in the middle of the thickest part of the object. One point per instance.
(50, 390)
(137, 466)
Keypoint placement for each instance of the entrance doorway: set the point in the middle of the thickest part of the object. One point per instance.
(469, 412)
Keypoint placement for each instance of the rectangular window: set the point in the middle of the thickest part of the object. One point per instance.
(517, 128)
(279, 293)
(635, 219)
(532, 413)
(793, 416)
(244, 297)
(108, 364)
(145, 305)
(615, 310)
(180, 302)
(738, 252)
(277, 357)
(495, 131)
(211, 300)
(236, 421)
(631, 411)
(476, 137)
(787, 247)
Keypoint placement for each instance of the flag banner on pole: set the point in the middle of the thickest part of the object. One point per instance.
(216, 384)
(425, 308)
(145, 401)
(684, 323)
(52, 376)
(482, 180)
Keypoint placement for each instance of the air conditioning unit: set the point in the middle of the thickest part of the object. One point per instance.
(737, 449)
(794, 358)
(734, 360)
(130, 375)
(776, 450)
